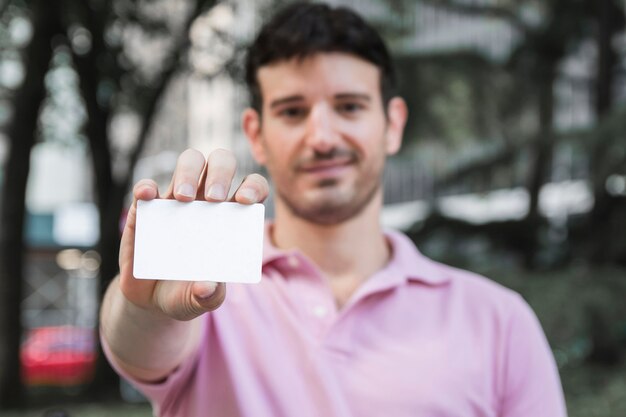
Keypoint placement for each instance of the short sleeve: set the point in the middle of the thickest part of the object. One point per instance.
(532, 386)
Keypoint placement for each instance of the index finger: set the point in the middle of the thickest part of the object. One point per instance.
(145, 189)
(187, 176)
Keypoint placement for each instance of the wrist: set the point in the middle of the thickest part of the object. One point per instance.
(146, 343)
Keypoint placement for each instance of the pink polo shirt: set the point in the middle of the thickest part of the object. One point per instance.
(417, 339)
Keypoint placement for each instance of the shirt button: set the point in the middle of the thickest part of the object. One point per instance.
(293, 261)
(320, 311)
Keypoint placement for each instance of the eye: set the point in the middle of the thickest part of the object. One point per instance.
(349, 107)
(293, 113)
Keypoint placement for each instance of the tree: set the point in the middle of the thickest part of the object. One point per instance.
(112, 81)
(610, 20)
(22, 129)
(548, 33)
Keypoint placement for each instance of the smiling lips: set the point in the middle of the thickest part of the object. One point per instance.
(327, 164)
(327, 167)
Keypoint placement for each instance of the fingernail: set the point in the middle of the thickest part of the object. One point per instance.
(204, 290)
(144, 189)
(249, 194)
(186, 190)
(216, 192)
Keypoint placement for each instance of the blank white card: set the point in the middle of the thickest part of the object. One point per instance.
(199, 241)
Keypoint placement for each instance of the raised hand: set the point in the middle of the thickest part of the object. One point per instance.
(195, 178)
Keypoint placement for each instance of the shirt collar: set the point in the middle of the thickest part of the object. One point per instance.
(271, 252)
(406, 263)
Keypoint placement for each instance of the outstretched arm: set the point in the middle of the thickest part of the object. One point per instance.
(151, 326)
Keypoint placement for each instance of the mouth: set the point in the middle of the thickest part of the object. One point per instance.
(327, 168)
(328, 165)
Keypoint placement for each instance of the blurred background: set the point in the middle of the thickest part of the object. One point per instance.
(514, 165)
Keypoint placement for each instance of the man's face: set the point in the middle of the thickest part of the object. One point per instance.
(324, 134)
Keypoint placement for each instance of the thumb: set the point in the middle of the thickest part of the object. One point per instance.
(207, 295)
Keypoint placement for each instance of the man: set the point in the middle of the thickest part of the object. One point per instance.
(347, 320)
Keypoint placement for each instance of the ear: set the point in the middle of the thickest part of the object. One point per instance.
(251, 123)
(397, 113)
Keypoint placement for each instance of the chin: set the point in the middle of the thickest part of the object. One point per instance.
(326, 217)
(325, 210)
(330, 205)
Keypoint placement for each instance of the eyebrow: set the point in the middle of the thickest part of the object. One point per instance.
(353, 96)
(297, 98)
(286, 100)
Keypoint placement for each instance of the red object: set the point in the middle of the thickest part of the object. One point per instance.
(59, 356)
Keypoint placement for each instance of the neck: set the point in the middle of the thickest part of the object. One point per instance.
(347, 253)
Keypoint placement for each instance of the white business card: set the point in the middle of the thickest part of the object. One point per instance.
(199, 241)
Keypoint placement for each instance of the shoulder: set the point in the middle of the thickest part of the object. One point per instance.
(478, 287)
(500, 327)
(462, 287)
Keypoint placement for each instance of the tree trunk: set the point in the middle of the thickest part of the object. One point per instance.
(541, 159)
(599, 225)
(542, 150)
(21, 131)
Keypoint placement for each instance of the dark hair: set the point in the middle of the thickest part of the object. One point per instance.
(303, 29)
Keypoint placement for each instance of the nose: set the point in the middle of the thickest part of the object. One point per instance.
(322, 134)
